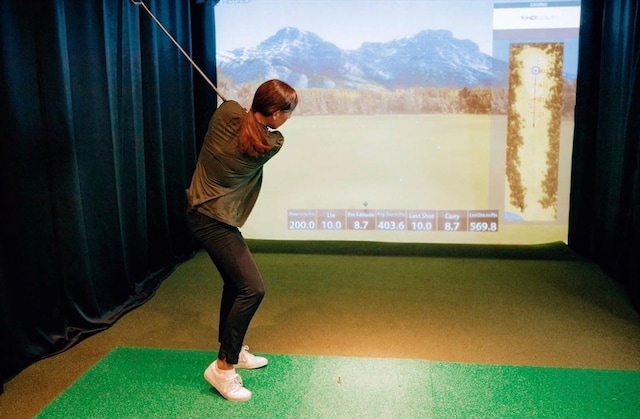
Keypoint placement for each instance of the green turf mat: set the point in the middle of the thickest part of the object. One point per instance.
(162, 383)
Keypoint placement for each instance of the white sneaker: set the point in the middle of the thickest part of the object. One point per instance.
(229, 386)
(249, 361)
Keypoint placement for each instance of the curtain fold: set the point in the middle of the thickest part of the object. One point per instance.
(98, 146)
(604, 221)
(204, 53)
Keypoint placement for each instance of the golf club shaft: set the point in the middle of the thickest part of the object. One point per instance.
(215, 89)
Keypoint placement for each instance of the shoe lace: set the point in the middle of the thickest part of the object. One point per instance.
(235, 383)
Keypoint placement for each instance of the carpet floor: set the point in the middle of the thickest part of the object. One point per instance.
(474, 310)
(145, 382)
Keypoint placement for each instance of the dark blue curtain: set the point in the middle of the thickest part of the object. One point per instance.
(604, 220)
(99, 123)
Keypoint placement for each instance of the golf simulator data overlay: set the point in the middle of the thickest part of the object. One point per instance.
(393, 220)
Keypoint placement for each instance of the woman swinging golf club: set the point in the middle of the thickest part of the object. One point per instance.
(224, 188)
(223, 191)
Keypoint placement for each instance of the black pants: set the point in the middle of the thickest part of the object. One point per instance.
(243, 288)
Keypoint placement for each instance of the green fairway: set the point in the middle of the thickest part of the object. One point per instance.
(393, 162)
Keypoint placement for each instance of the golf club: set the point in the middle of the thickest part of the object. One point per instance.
(215, 89)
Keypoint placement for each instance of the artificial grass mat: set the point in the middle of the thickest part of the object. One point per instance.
(163, 383)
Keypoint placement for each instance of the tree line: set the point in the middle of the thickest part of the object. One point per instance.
(417, 100)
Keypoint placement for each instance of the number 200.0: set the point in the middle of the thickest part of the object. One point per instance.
(302, 225)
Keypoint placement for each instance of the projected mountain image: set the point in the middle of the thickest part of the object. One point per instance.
(431, 58)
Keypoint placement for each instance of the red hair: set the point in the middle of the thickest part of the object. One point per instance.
(270, 97)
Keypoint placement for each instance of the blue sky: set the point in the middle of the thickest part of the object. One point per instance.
(348, 23)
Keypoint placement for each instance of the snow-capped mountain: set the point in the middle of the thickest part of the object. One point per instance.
(431, 58)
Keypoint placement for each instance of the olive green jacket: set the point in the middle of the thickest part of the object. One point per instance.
(226, 182)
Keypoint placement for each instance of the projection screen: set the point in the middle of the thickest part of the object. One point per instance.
(419, 121)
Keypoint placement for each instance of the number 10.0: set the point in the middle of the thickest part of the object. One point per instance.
(422, 225)
(331, 225)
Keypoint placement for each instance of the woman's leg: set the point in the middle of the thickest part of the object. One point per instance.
(243, 288)
(229, 295)
(242, 283)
